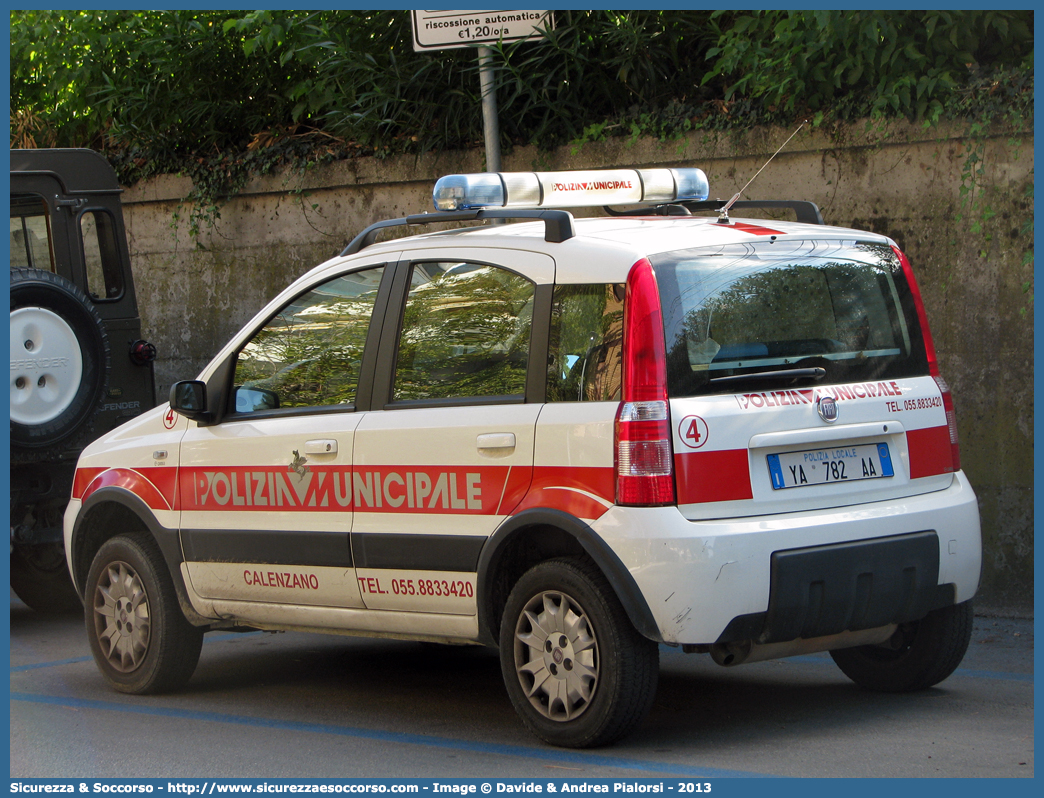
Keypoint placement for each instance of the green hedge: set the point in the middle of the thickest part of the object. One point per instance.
(163, 90)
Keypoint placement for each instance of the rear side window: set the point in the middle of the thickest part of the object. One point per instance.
(839, 307)
(584, 362)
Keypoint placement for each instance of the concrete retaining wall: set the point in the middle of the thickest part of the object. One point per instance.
(973, 261)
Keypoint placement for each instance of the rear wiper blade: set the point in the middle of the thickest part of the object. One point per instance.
(783, 374)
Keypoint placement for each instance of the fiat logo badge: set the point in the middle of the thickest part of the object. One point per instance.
(827, 407)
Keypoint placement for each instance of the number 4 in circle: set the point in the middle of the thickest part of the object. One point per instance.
(693, 431)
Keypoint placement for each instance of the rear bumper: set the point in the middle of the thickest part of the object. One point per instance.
(783, 576)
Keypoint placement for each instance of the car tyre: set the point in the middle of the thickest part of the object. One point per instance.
(576, 670)
(919, 655)
(59, 365)
(138, 634)
(40, 578)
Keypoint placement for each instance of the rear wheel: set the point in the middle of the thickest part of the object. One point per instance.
(139, 637)
(577, 671)
(919, 655)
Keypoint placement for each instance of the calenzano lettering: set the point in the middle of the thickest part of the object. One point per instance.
(807, 396)
(340, 489)
(281, 579)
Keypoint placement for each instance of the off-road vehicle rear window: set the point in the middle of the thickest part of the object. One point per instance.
(818, 312)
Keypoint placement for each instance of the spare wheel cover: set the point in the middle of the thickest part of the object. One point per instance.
(46, 366)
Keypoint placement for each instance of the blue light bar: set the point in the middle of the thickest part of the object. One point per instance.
(466, 192)
(691, 184)
(569, 189)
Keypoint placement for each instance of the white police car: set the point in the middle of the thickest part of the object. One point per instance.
(574, 439)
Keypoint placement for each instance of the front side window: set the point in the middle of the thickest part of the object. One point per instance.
(585, 345)
(465, 332)
(840, 311)
(309, 354)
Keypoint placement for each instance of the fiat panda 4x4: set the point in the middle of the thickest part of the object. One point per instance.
(573, 439)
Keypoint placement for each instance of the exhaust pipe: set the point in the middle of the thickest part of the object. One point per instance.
(743, 651)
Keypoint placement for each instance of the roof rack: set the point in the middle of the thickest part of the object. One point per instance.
(807, 212)
(558, 224)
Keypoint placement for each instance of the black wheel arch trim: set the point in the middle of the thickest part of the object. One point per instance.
(621, 580)
(168, 541)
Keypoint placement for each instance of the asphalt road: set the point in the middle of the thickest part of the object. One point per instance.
(299, 705)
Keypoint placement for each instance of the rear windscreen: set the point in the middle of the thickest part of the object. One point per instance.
(822, 311)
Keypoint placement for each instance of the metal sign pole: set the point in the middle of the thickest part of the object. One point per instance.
(440, 30)
(490, 123)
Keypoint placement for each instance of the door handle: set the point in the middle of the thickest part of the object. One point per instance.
(497, 440)
(320, 446)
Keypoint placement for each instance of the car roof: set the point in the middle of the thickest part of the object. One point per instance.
(604, 248)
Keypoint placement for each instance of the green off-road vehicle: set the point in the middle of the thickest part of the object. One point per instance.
(79, 366)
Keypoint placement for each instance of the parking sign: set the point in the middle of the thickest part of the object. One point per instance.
(440, 30)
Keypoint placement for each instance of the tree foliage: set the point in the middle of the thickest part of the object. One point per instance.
(888, 62)
(221, 91)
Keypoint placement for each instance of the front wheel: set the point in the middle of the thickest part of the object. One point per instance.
(576, 670)
(139, 637)
(919, 655)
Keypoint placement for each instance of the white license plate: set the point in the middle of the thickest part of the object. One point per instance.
(822, 466)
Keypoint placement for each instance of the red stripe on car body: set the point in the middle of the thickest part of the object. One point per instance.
(581, 492)
(135, 482)
(84, 477)
(930, 451)
(755, 229)
(713, 476)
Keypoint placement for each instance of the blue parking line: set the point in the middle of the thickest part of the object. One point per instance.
(541, 754)
(208, 639)
(1001, 675)
(34, 666)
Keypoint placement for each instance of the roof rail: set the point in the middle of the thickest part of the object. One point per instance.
(672, 209)
(558, 224)
(807, 212)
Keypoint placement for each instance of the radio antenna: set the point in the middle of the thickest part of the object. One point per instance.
(723, 218)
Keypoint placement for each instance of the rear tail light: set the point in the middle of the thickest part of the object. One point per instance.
(933, 364)
(142, 352)
(644, 457)
(951, 420)
(922, 317)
